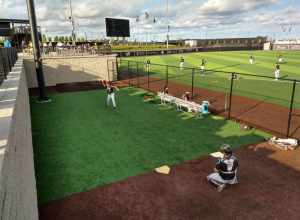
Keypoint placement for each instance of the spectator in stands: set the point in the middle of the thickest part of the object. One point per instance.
(7, 43)
(225, 170)
(186, 96)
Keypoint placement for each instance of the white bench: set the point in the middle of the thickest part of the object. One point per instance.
(180, 103)
(166, 98)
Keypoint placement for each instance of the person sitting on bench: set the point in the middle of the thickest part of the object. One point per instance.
(186, 96)
(165, 90)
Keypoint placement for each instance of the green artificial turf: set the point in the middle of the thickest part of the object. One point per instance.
(277, 92)
(80, 144)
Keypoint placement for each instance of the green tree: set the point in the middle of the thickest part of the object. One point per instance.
(61, 39)
(70, 39)
(44, 38)
(50, 39)
(56, 39)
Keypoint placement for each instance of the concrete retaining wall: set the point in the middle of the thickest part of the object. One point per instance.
(58, 70)
(18, 196)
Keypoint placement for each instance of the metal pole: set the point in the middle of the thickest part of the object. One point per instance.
(73, 24)
(168, 28)
(117, 67)
(128, 73)
(137, 74)
(193, 78)
(291, 109)
(37, 51)
(230, 96)
(148, 76)
(167, 75)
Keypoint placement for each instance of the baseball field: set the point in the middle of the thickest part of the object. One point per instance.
(256, 97)
(95, 163)
(79, 144)
(219, 65)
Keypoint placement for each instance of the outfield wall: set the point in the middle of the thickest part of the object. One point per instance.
(61, 70)
(185, 50)
(18, 195)
(286, 46)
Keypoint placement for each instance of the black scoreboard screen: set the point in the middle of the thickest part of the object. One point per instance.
(117, 27)
(4, 28)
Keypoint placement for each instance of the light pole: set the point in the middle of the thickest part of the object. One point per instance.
(168, 28)
(37, 51)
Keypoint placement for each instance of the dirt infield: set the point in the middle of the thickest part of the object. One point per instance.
(268, 189)
(259, 114)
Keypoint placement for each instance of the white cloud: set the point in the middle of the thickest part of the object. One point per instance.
(230, 7)
(186, 17)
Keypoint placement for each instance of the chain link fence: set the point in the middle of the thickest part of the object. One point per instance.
(259, 101)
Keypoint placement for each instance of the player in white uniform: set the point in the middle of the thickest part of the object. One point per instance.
(181, 63)
(225, 170)
(110, 89)
(148, 65)
(251, 59)
(280, 59)
(277, 72)
(202, 66)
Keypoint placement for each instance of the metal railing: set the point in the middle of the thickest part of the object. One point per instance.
(8, 57)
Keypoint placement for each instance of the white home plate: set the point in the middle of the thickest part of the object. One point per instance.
(163, 169)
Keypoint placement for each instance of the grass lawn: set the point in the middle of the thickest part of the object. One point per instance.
(79, 144)
(277, 92)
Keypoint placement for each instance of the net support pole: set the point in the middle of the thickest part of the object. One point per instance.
(291, 109)
(117, 67)
(167, 75)
(137, 73)
(148, 77)
(230, 96)
(37, 51)
(193, 79)
(128, 73)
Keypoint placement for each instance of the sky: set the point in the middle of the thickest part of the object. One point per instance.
(188, 19)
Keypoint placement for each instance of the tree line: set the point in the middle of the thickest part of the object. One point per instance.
(63, 39)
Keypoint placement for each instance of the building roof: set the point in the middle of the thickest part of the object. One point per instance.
(15, 21)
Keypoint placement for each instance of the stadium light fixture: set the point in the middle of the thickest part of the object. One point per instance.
(168, 25)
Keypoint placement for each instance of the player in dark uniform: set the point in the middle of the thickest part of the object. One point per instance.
(225, 170)
(165, 90)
